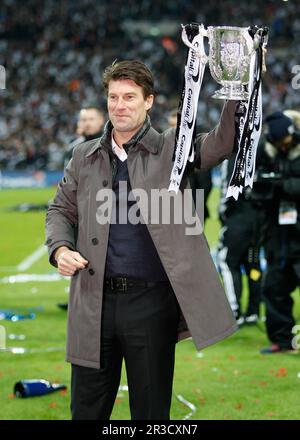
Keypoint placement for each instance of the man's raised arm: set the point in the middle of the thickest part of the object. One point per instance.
(217, 145)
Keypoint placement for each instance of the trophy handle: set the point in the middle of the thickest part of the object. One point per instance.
(199, 51)
(251, 43)
(259, 34)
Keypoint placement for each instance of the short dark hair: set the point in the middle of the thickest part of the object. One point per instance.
(278, 126)
(134, 70)
(93, 107)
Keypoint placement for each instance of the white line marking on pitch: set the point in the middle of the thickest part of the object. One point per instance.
(29, 261)
(26, 278)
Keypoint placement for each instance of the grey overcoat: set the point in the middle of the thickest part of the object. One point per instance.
(71, 221)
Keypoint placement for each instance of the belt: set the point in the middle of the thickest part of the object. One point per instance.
(120, 284)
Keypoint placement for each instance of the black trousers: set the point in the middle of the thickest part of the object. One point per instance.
(279, 282)
(140, 326)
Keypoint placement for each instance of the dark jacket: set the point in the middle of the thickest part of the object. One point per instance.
(278, 182)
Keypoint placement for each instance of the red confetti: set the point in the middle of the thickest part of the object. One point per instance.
(58, 367)
(201, 400)
(11, 396)
(118, 401)
(263, 383)
(270, 414)
(239, 406)
(63, 393)
(281, 372)
(232, 357)
(53, 405)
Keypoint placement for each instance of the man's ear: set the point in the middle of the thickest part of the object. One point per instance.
(149, 102)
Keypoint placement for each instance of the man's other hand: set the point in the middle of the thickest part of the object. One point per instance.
(68, 262)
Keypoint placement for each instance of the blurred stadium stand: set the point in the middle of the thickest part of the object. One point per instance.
(54, 54)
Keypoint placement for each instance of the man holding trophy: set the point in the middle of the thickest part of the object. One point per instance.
(138, 289)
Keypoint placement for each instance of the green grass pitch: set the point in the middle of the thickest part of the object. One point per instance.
(229, 380)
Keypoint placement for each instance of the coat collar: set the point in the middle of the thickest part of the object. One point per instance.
(146, 137)
(151, 141)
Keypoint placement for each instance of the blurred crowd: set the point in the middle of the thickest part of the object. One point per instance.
(54, 54)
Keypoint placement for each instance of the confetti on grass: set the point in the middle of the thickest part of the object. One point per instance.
(281, 372)
(181, 399)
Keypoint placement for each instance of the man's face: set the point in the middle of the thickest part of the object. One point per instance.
(127, 107)
(284, 144)
(91, 121)
(172, 120)
(80, 127)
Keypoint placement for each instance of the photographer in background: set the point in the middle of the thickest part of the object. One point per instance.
(277, 192)
(89, 126)
(238, 247)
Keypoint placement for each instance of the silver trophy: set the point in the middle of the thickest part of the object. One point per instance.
(230, 52)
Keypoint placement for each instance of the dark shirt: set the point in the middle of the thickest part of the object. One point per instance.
(131, 252)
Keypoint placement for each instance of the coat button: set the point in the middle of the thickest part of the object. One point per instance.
(95, 241)
(91, 271)
(49, 241)
(105, 182)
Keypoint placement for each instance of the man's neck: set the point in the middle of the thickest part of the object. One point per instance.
(123, 137)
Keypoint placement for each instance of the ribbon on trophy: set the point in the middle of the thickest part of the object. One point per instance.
(248, 116)
(248, 120)
(187, 109)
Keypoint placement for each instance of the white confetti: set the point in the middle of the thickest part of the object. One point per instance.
(199, 354)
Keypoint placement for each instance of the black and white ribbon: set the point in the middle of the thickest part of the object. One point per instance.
(248, 117)
(187, 111)
(248, 120)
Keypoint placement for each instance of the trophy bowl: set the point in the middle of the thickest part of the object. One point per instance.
(230, 50)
